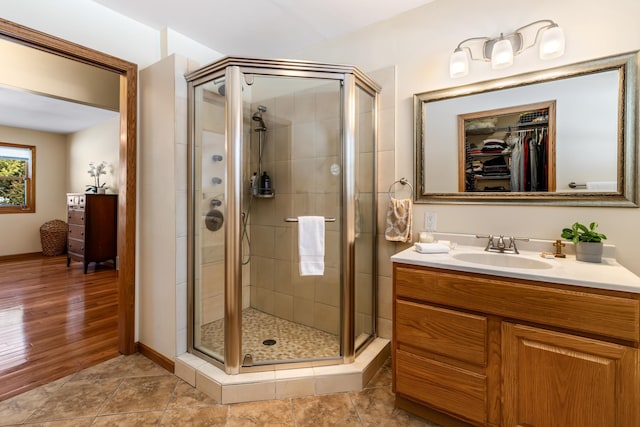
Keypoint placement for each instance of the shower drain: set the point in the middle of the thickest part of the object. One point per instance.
(269, 342)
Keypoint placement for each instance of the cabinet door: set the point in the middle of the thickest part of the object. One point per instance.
(553, 379)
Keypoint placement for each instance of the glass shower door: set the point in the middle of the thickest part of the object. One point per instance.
(293, 135)
(365, 214)
(208, 216)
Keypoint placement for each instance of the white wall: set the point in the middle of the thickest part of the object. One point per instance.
(420, 42)
(20, 233)
(162, 202)
(95, 144)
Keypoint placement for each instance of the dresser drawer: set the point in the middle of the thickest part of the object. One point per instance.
(76, 231)
(436, 330)
(560, 306)
(442, 386)
(76, 246)
(76, 200)
(76, 216)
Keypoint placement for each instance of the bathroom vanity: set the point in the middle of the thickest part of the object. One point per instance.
(500, 346)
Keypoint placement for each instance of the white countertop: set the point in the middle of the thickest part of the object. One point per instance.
(606, 275)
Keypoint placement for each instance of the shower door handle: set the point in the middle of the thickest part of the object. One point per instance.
(326, 219)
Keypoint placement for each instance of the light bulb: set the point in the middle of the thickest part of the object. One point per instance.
(459, 63)
(552, 43)
(501, 54)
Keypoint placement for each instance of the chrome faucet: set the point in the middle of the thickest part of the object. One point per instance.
(502, 243)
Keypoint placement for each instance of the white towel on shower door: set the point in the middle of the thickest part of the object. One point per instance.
(311, 245)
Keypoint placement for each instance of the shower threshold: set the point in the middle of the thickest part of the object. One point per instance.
(283, 383)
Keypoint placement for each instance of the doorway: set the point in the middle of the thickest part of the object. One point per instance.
(127, 159)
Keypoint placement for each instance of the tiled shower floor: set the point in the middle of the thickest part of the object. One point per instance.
(293, 341)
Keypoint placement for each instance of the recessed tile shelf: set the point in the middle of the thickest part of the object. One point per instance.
(282, 384)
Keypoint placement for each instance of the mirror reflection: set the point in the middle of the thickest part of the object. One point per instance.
(484, 143)
(508, 149)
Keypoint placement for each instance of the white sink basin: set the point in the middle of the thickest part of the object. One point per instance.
(502, 260)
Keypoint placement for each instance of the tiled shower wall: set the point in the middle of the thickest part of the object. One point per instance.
(209, 143)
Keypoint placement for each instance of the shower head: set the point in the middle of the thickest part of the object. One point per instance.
(257, 117)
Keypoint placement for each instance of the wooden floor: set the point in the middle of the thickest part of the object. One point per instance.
(54, 320)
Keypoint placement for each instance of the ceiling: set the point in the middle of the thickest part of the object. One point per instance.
(256, 28)
(260, 28)
(28, 110)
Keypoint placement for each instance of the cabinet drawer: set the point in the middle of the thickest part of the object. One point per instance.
(458, 335)
(442, 386)
(569, 308)
(76, 216)
(76, 246)
(76, 200)
(76, 231)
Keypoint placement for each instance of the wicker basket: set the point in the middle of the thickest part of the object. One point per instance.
(53, 235)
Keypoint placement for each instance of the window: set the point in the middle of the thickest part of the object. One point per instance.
(17, 178)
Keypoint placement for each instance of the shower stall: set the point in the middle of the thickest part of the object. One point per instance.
(271, 141)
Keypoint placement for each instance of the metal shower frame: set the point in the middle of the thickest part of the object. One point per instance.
(233, 69)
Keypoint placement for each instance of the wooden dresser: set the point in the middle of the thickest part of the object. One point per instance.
(93, 228)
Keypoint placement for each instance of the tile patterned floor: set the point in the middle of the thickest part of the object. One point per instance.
(293, 341)
(133, 391)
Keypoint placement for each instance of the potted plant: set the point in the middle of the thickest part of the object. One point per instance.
(95, 172)
(588, 241)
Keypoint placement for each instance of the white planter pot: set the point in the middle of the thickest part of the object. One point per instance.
(589, 251)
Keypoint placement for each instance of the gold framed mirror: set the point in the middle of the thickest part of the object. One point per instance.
(590, 146)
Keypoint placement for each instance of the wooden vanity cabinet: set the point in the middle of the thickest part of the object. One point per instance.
(92, 228)
(471, 349)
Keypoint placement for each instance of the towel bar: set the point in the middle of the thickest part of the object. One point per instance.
(326, 219)
(575, 185)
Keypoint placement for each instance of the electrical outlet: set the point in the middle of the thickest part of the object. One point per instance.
(430, 221)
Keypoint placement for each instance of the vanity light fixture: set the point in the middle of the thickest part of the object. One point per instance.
(501, 50)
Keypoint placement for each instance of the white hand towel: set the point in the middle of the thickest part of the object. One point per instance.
(431, 248)
(311, 245)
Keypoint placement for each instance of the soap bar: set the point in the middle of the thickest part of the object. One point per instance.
(547, 255)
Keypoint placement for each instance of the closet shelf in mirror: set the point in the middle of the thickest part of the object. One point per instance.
(523, 125)
(508, 153)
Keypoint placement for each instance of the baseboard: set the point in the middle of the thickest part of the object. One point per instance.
(19, 257)
(156, 357)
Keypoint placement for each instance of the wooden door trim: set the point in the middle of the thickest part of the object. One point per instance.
(127, 157)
